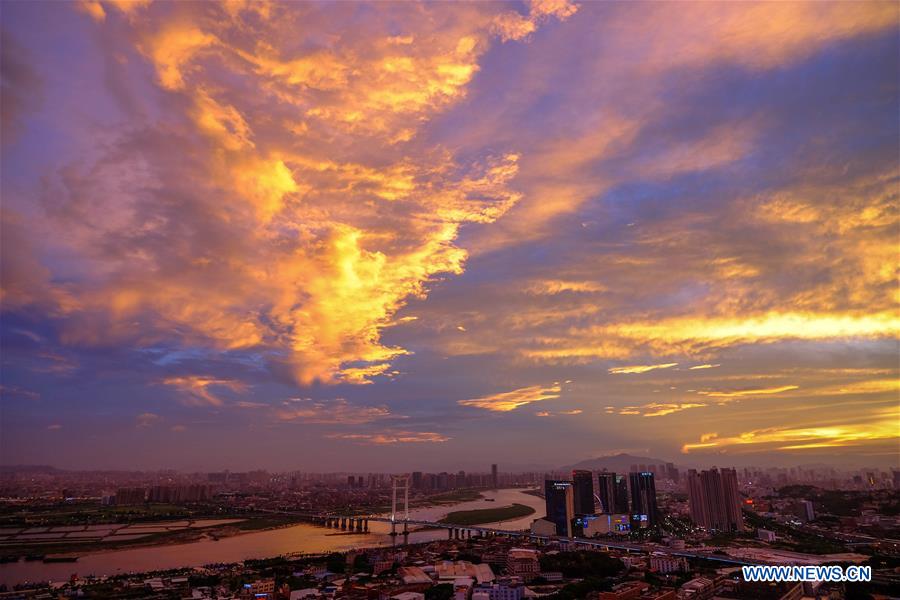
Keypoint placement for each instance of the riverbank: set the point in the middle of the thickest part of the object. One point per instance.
(488, 515)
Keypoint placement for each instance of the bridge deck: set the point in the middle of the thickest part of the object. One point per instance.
(636, 548)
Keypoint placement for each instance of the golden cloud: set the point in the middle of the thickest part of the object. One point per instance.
(748, 392)
(196, 388)
(759, 36)
(692, 335)
(552, 287)
(873, 386)
(172, 51)
(337, 412)
(875, 427)
(301, 244)
(511, 25)
(507, 401)
(640, 368)
(392, 437)
(654, 409)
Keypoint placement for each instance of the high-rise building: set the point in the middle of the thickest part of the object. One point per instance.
(613, 492)
(671, 471)
(805, 511)
(714, 499)
(620, 498)
(495, 480)
(560, 499)
(127, 496)
(583, 489)
(644, 512)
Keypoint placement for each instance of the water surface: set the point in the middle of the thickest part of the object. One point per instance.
(263, 544)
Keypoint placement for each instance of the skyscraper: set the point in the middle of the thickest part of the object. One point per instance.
(583, 484)
(494, 478)
(620, 494)
(714, 500)
(605, 483)
(671, 471)
(613, 492)
(560, 498)
(644, 512)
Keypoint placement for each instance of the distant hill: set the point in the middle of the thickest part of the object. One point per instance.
(619, 463)
(47, 469)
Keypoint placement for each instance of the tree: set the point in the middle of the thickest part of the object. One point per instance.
(575, 591)
(361, 563)
(336, 563)
(443, 591)
(582, 564)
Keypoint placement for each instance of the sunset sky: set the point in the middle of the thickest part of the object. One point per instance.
(387, 236)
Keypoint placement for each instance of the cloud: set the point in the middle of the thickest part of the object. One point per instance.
(654, 409)
(640, 368)
(552, 287)
(511, 25)
(872, 386)
(287, 195)
(173, 49)
(572, 412)
(697, 334)
(22, 86)
(92, 8)
(54, 426)
(748, 392)
(147, 419)
(392, 437)
(507, 401)
(13, 391)
(196, 388)
(662, 409)
(755, 36)
(50, 362)
(302, 245)
(250, 405)
(338, 412)
(873, 427)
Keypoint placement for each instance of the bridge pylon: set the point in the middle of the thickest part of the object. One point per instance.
(399, 483)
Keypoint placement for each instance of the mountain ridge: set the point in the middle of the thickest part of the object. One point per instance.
(617, 462)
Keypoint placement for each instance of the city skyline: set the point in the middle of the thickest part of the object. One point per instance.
(397, 237)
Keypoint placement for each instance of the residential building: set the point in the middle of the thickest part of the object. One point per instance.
(523, 562)
(715, 503)
(583, 491)
(644, 511)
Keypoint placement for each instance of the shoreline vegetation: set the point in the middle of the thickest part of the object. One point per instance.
(488, 515)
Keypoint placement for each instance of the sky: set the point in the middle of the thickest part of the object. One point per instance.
(393, 236)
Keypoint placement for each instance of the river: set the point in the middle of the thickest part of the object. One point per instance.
(263, 544)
